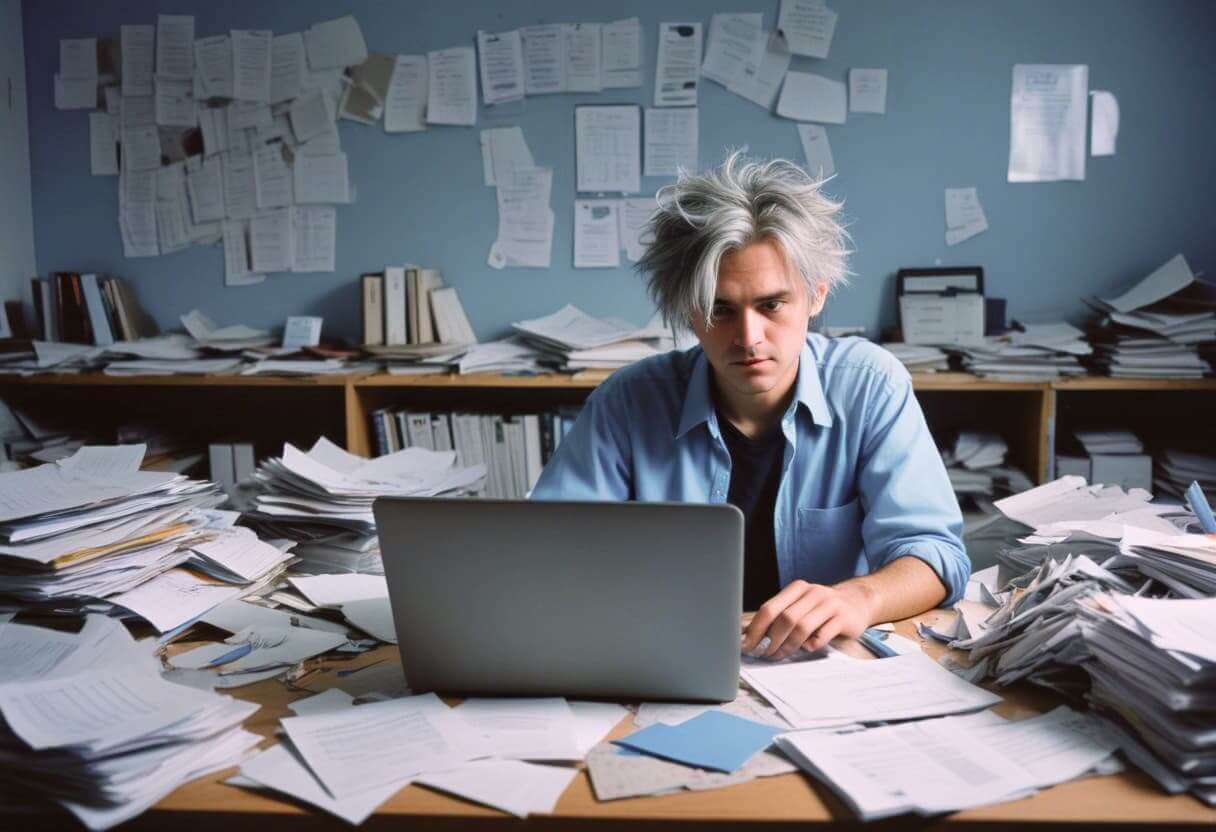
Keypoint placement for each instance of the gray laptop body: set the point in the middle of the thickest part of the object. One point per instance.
(609, 600)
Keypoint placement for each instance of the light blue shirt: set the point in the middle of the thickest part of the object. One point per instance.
(861, 481)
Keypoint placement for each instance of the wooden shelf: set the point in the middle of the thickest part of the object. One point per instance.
(1025, 411)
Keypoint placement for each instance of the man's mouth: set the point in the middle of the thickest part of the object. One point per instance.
(751, 362)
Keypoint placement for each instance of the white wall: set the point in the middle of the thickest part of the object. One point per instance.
(17, 264)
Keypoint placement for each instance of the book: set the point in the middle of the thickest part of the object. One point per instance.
(451, 323)
(109, 295)
(441, 432)
(44, 309)
(532, 451)
(419, 427)
(73, 323)
(428, 281)
(411, 301)
(373, 308)
(95, 308)
(395, 330)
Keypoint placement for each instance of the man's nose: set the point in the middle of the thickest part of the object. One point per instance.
(750, 329)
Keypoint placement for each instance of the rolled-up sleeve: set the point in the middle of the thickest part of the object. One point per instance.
(910, 507)
(592, 460)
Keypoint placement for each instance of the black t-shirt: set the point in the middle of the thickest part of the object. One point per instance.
(755, 476)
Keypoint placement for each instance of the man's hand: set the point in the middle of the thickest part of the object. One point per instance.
(809, 615)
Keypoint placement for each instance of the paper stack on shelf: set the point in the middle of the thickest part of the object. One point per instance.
(229, 339)
(977, 470)
(1037, 351)
(323, 498)
(510, 355)
(919, 358)
(93, 533)
(1175, 470)
(573, 340)
(1156, 329)
(90, 723)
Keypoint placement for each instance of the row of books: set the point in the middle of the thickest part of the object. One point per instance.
(410, 305)
(87, 309)
(514, 448)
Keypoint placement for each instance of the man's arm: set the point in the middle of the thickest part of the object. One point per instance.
(811, 615)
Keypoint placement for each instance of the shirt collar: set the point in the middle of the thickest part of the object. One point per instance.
(699, 404)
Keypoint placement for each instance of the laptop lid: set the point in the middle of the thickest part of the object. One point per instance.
(609, 600)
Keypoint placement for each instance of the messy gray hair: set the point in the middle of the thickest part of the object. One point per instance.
(703, 217)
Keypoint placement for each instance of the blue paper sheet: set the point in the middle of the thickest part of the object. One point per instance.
(713, 740)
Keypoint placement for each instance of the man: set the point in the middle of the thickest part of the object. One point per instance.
(849, 515)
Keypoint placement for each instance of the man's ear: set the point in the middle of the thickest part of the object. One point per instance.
(818, 297)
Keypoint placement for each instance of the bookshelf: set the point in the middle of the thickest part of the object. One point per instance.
(271, 410)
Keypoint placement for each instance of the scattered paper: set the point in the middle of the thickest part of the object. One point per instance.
(633, 217)
(502, 66)
(868, 91)
(405, 108)
(544, 54)
(679, 65)
(452, 87)
(622, 53)
(607, 148)
(251, 65)
(213, 65)
(138, 59)
(964, 215)
(335, 43)
(736, 42)
(759, 82)
(817, 149)
(1104, 126)
(314, 231)
(809, 97)
(508, 785)
(808, 26)
(671, 140)
(175, 47)
(321, 179)
(1047, 123)
(270, 243)
(583, 58)
(103, 144)
(288, 67)
(596, 236)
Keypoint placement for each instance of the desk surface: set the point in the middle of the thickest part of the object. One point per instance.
(766, 803)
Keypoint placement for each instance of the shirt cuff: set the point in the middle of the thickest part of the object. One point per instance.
(949, 562)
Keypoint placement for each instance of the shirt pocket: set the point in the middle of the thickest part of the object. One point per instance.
(829, 546)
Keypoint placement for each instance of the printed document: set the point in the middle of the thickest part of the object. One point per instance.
(622, 53)
(607, 148)
(405, 107)
(1048, 110)
(596, 235)
(502, 66)
(544, 50)
(817, 149)
(452, 87)
(808, 26)
(736, 42)
(679, 65)
(809, 97)
(671, 140)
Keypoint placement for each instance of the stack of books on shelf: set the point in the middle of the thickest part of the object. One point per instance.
(411, 321)
(87, 309)
(513, 449)
(1160, 328)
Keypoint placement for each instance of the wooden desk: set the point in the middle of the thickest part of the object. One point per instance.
(785, 801)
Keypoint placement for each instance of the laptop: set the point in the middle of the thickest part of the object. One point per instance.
(637, 601)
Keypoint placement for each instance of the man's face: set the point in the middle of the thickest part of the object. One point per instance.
(759, 323)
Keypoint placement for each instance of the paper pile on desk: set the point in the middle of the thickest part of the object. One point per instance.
(323, 498)
(476, 751)
(92, 532)
(1157, 328)
(1108, 599)
(89, 723)
(228, 339)
(959, 762)
(1036, 352)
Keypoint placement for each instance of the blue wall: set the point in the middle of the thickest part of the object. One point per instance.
(421, 198)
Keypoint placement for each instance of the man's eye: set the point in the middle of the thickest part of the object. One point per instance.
(773, 305)
(720, 312)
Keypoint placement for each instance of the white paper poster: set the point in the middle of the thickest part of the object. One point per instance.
(817, 149)
(607, 148)
(679, 65)
(596, 235)
(964, 215)
(1047, 122)
(1104, 125)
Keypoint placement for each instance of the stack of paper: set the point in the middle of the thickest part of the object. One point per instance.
(959, 762)
(1152, 330)
(840, 691)
(235, 338)
(573, 340)
(1038, 351)
(323, 498)
(919, 358)
(510, 355)
(93, 532)
(90, 724)
(1175, 470)
(977, 470)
